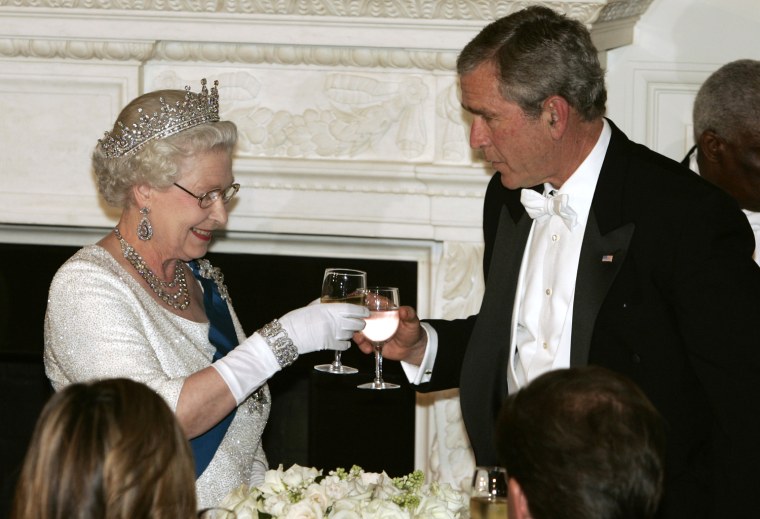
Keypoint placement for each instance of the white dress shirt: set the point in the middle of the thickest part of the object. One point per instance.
(543, 312)
(546, 286)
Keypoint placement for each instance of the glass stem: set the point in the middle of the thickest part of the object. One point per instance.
(378, 362)
(336, 363)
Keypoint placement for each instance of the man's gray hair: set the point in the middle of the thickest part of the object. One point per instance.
(728, 102)
(539, 53)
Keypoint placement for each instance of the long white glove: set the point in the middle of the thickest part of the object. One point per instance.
(311, 328)
(324, 326)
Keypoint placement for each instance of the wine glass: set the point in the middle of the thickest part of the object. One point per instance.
(342, 286)
(488, 496)
(381, 324)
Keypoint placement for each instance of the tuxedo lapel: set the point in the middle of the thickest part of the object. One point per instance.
(483, 383)
(605, 245)
(499, 297)
(600, 261)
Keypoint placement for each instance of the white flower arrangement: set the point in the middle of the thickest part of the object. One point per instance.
(305, 493)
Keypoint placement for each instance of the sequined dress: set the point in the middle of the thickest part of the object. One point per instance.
(101, 323)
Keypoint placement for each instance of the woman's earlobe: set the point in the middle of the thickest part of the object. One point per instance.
(141, 193)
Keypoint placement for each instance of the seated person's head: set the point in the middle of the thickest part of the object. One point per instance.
(581, 443)
(108, 449)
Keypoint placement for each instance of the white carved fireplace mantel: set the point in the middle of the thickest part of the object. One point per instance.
(352, 141)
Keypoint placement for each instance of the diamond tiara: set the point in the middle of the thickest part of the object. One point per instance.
(195, 109)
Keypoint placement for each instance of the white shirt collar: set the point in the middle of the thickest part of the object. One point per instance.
(581, 185)
(693, 164)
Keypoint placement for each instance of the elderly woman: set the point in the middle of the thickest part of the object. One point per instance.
(140, 304)
(110, 448)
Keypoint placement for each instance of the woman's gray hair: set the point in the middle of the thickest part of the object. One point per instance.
(156, 164)
(540, 53)
(728, 102)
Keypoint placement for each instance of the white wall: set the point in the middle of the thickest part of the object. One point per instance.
(677, 44)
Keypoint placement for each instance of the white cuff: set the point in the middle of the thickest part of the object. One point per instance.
(424, 372)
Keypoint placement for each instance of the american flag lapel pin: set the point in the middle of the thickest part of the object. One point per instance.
(607, 258)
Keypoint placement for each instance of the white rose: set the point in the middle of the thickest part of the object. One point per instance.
(243, 501)
(317, 495)
(455, 500)
(297, 475)
(359, 493)
(346, 505)
(275, 505)
(272, 482)
(368, 483)
(372, 478)
(379, 509)
(345, 514)
(304, 510)
(236, 496)
(385, 489)
(433, 508)
(346, 509)
(335, 488)
(246, 513)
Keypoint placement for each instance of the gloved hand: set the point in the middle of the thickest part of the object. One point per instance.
(315, 327)
(324, 326)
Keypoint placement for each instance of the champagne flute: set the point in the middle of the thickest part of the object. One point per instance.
(383, 303)
(488, 496)
(342, 286)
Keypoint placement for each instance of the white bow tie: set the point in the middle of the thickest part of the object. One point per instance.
(540, 207)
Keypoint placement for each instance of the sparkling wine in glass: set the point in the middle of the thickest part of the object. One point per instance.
(488, 496)
(342, 286)
(383, 303)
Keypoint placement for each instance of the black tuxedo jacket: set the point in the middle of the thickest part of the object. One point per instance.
(677, 309)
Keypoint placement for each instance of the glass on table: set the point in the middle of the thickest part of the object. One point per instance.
(342, 286)
(488, 495)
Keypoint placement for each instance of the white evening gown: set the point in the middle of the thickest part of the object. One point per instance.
(100, 323)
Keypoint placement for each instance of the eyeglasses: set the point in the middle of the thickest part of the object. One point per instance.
(206, 199)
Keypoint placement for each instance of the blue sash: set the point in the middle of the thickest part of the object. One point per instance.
(223, 336)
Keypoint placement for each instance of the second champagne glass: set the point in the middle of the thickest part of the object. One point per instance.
(488, 495)
(342, 286)
(383, 303)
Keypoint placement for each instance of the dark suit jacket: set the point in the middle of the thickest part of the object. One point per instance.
(677, 310)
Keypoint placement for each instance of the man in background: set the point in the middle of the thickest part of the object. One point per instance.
(598, 251)
(581, 443)
(727, 135)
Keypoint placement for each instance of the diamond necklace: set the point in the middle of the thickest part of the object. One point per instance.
(179, 300)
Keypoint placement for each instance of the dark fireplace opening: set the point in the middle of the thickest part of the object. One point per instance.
(317, 419)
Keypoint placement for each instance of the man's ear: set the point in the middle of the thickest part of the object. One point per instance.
(556, 111)
(711, 146)
(518, 502)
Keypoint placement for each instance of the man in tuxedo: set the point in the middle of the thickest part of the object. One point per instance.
(727, 135)
(623, 258)
(581, 443)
